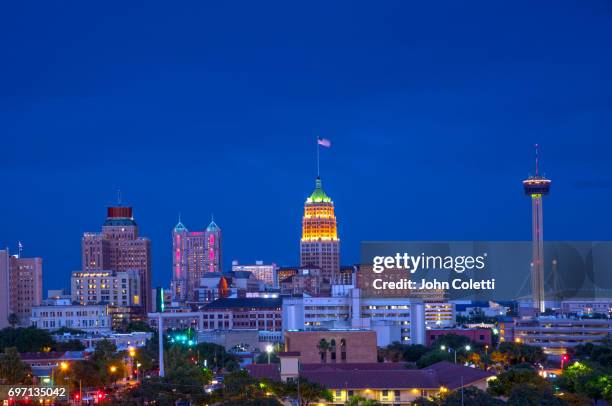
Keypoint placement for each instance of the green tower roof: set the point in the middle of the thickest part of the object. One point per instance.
(319, 194)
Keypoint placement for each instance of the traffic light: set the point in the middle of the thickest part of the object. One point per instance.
(565, 357)
(76, 396)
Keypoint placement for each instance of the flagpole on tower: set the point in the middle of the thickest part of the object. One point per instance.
(318, 158)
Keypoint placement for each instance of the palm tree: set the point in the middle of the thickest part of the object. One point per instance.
(323, 347)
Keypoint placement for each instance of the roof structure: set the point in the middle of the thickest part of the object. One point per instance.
(233, 303)
(383, 375)
(318, 195)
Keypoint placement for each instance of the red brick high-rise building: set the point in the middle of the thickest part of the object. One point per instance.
(20, 287)
(119, 248)
(320, 245)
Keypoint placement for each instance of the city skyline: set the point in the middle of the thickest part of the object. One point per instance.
(428, 116)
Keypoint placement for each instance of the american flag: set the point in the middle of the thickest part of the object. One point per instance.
(324, 142)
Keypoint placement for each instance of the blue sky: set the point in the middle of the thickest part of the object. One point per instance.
(202, 107)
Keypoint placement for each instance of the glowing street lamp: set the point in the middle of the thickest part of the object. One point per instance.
(64, 366)
(269, 350)
(444, 348)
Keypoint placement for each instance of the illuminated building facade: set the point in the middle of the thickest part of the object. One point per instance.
(537, 187)
(320, 246)
(194, 253)
(106, 287)
(119, 248)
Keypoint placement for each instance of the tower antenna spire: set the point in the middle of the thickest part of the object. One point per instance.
(119, 197)
(537, 157)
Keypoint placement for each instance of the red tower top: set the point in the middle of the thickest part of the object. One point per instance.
(119, 212)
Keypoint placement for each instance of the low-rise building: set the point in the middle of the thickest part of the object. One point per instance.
(262, 272)
(89, 318)
(476, 335)
(587, 307)
(332, 346)
(121, 340)
(401, 319)
(386, 383)
(243, 313)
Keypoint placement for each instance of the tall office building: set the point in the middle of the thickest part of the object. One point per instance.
(119, 248)
(320, 246)
(537, 187)
(194, 253)
(20, 287)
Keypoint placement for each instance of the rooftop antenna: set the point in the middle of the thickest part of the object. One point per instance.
(119, 197)
(179, 216)
(19, 249)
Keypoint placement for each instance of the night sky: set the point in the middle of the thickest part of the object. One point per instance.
(214, 107)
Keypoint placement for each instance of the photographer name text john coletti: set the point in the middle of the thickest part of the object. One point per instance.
(458, 284)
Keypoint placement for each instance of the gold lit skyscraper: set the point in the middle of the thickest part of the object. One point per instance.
(320, 246)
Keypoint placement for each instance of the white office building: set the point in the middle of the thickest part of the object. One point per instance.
(89, 318)
(394, 319)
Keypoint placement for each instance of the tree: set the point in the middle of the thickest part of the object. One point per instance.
(520, 353)
(434, 356)
(307, 393)
(587, 378)
(471, 396)
(70, 345)
(29, 339)
(217, 357)
(530, 395)
(397, 352)
(423, 401)
(182, 369)
(454, 341)
(505, 382)
(12, 369)
(109, 363)
(323, 346)
(13, 319)
(239, 385)
(137, 326)
(361, 401)
(499, 358)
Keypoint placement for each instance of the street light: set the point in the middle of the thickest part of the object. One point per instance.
(443, 348)
(64, 366)
(269, 349)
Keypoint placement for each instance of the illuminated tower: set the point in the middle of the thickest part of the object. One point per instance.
(194, 253)
(320, 246)
(180, 236)
(537, 187)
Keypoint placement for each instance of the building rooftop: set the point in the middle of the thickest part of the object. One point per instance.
(380, 375)
(318, 195)
(232, 303)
